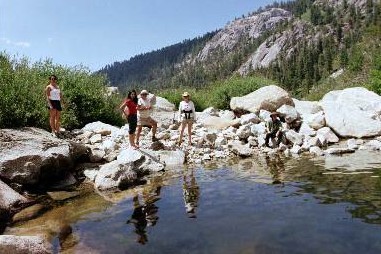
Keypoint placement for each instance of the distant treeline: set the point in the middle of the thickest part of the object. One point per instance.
(153, 68)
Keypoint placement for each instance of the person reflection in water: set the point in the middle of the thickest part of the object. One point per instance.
(191, 193)
(145, 214)
(276, 167)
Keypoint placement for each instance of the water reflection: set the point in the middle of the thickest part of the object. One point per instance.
(145, 212)
(191, 193)
(276, 166)
(360, 188)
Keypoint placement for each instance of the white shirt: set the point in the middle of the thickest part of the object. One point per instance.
(144, 103)
(187, 106)
(55, 93)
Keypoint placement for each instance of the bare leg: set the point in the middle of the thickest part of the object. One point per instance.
(190, 133)
(51, 119)
(58, 121)
(183, 124)
(131, 138)
(154, 128)
(138, 131)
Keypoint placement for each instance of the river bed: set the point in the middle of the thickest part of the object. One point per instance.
(258, 205)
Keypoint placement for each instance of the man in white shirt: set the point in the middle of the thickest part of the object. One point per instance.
(144, 115)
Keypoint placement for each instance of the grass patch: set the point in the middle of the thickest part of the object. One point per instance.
(217, 94)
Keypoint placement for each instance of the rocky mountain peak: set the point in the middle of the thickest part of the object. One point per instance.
(252, 26)
(269, 50)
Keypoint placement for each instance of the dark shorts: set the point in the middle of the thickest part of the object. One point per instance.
(132, 123)
(56, 105)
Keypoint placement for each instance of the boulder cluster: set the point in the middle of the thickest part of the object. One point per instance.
(342, 122)
(310, 127)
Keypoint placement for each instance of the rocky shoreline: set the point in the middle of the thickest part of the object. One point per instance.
(33, 159)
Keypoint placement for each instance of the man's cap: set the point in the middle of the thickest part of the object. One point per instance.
(274, 114)
(144, 92)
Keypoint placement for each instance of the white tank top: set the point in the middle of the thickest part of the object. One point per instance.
(55, 93)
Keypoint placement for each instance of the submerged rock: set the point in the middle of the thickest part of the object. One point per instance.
(24, 244)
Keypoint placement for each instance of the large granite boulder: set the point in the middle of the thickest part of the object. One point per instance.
(218, 123)
(163, 104)
(115, 175)
(353, 112)
(10, 199)
(269, 98)
(24, 244)
(126, 169)
(33, 156)
(100, 128)
(307, 107)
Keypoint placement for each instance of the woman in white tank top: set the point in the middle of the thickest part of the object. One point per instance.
(187, 114)
(54, 98)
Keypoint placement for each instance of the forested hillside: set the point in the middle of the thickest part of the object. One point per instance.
(153, 68)
(298, 44)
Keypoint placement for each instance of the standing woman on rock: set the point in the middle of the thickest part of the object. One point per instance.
(129, 108)
(54, 98)
(187, 115)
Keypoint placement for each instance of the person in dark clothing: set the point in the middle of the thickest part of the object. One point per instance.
(273, 129)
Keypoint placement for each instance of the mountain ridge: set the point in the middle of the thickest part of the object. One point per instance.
(297, 44)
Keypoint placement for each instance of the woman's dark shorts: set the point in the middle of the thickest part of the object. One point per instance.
(132, 123)
(56, 105)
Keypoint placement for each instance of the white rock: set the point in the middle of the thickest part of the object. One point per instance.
(10, 198)
(242, 150)
(220, 141)
(243, 132)
(129, 155)
(328, 135)
(316, 151)
(113, 175)
(250, 118)
(306, 130)
(227, 114)
(373, 145)
(264, 115)
(307, 107)
(97, 155)
(353, 112)
(339, 150)
(269, 98)
(296, 149)
(258, 129)
(24, 244)
(108, 146)
(97, 138)
(289, 112)
(100, 128)
(315, 121)
(218, 123)
(163, 104)
(294, 137)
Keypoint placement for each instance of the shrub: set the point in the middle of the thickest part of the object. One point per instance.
(23, 103)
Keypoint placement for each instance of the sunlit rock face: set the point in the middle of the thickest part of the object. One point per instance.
(252, 27)
(353, 112)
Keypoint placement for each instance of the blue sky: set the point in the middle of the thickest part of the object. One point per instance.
(99, 32)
